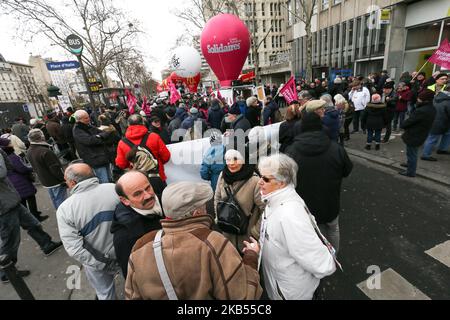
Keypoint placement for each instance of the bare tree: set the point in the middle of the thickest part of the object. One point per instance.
(305, 16)
(98, 22)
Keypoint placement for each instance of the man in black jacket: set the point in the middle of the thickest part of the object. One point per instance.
(417, 127)
(253, 112)
(90, 143)
(138, 213)
(322, 164)
(47, 167)
(390, 98)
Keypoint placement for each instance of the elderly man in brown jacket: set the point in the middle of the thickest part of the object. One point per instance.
(201, 264)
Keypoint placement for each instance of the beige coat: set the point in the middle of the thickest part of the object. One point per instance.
(249, 198)
(201, 264)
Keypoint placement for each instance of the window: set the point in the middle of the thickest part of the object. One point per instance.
(279, 9)
(423, 36)
(264, 25)
(324, 4)
(337, 1)
(446, 33)
(265, 44)
(271, 9)
(350, 33)
(263, 12)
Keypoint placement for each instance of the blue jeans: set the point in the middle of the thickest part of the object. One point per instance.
(58, 195)
(370, 136)
(411, 155)
(103, 174)
(10, 224)
(399, 117)
(432, 140)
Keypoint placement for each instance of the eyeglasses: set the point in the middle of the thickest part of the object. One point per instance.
(266, 179)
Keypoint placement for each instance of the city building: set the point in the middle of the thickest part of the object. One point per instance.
(361, 36)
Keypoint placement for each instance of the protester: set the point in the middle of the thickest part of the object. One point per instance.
(156, 127)
(287, 128)
(91, 145)
(360, 97)
(293, 257)
(47, 167)
(20, 148)
(253, 112)
(84, 222)
(374, 119)
(440, 83)
(240, 179)
(440, 129)
(271, 112)
(214, 160)
(346, 117)
(215, 115)
(201, 264)
(21, 177)
(322, 166)
(20, 130)
(404, 96)
(390, 99)
(417, 128)
(14, 215)
(331, 118)
(138, 213)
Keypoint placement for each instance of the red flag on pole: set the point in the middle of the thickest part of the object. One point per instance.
(289, 91)
(131, 101)
(442, 55)
(174, 94)
(145, 107)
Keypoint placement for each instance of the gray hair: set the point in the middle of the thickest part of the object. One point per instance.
(36, 136)
(283, 168)
(79, 114)
(305, 95)
(328, 99)
(135, 120)
(78, 176)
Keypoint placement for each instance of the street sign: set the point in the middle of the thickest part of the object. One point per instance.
(25, 108)
(75, 44)
(55, 66)
(95, 85)
(385, 16)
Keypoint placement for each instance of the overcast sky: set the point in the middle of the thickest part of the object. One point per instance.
(161, 28)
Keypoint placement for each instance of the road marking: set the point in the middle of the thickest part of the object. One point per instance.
(441, 253)
(393, 287)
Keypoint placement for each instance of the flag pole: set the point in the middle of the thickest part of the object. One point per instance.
(420, 70)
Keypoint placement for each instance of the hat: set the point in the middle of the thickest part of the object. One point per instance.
(337, 81)
(313, 105)
(441, 75)
(193, 110)
(389, 85)
(376, 98)
(311, 122)
(426, 95)
(155, 119)
(4, 142)
(180, 199)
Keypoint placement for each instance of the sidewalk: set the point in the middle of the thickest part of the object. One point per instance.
(393, 154)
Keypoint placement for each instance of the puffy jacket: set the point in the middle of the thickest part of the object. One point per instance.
(418, 125)
(442, 121)
(19, 176)
(213, 164)
(294, 259)
(90, 144)
(322, 166)
(90, 210)
(375, 117)
(127, 227)
(201, 264)
(159, 150)
(46, 164)
(403, 98)
(9, 198)
(215, 116)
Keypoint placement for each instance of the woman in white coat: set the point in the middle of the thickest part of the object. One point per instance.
(293, 258)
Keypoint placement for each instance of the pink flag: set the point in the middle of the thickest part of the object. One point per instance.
(219, 95)
(145, 107)
(442, 55)
(174, 94)
(131, 101)
(289, 91)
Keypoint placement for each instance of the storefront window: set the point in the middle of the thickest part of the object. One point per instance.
(423, 36)
(446, 33)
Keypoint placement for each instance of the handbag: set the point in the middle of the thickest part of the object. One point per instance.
(230, 216)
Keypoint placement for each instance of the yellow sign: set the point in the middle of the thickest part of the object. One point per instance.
(385, 16)
(448, 13)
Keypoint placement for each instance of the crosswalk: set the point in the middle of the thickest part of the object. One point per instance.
(392, 286)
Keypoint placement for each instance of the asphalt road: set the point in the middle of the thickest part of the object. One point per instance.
(390, 221)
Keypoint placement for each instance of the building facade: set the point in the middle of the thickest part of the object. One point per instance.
(356, 37)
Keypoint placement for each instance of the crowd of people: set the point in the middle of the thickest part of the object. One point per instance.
(259, 229)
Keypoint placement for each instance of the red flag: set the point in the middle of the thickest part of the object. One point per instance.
(442, 55)
(174, 94)
(159, 88)
(289, 91)
(145, 107)
(131, 101)
(219, 95)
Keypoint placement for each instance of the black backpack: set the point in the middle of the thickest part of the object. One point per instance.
(230, 216)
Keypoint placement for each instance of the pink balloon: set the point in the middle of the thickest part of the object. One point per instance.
(225, 45)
